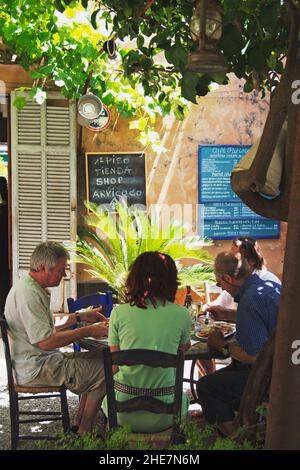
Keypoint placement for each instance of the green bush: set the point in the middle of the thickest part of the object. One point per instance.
(204, 438)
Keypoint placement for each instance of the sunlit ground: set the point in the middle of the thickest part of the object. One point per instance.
(48, 428)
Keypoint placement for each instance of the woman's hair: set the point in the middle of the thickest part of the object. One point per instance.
(46, 255)
(249, 249)
(235, 266)
(152, 276)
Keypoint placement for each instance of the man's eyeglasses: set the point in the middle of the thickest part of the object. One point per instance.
(218, 283)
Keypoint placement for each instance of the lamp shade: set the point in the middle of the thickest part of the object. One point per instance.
(206, 30)
(89, 108)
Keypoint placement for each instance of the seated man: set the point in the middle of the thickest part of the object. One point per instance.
(224, 307)
(220, 393)
(34, 338)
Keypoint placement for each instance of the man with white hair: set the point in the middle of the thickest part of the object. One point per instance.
(220, 393)
(35, 334)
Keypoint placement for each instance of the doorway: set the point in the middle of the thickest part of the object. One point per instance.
(5, 278)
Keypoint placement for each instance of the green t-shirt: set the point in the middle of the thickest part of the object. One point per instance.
(162, 329)
(27, 312)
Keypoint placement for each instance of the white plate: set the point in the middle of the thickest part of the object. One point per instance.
(229, 327)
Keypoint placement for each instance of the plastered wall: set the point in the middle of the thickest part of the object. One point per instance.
(225, 116)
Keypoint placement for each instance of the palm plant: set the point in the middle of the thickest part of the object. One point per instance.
(109, 243)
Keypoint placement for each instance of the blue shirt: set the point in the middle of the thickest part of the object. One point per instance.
(257, 312)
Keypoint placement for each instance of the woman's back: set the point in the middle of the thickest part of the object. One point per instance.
(149, 320)
(163, 328)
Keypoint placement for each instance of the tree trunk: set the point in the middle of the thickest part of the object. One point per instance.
(247, 184)
(283, 426)
(257, 390)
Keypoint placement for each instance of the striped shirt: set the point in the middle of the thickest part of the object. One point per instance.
(257, 312)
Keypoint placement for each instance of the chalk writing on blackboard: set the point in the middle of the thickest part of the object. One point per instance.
(112, 176)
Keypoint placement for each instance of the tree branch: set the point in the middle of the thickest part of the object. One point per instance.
(294, 13)
(246, 184)
(148, 5)
(87, 82)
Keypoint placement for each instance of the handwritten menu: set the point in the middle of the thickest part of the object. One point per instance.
(222, 214)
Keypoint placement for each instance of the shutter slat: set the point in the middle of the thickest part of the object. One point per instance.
(58, 194)
(29, 124)
(29, 204)
(58, 126)
(43, 176)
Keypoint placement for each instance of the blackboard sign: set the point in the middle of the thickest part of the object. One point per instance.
(112, 176)
(222, 214)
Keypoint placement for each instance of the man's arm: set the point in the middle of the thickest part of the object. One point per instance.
(216, 341)
(63, 338)
(222, 308)
(221, 313)
(237, 352)
(65, 320)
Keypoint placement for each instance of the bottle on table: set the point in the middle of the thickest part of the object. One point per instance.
(188, 301)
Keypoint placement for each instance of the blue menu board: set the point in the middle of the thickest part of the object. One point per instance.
(222, 214)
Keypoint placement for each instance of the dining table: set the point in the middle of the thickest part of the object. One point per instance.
(199, 350)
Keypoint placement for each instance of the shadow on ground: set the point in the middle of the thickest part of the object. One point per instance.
(47, 428)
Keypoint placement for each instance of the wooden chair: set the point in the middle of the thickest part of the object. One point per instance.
(99, 298)
(29, 394)
(148, 358)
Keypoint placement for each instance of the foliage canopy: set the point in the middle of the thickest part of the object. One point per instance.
(64, 41)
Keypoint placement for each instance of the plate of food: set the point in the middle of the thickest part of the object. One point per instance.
(227, 329)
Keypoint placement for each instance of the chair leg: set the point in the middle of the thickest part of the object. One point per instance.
(65, 411)
(14, 421)
(177, 436)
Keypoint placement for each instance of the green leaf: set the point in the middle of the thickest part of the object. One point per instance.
(188, 86)
(161, 96)
(46, 69)
(19, 102)
(256, 59)
(272, 61)
(108, 245)
(231, 41)
(179, 112)
(84, 3)
(269, 16)
(59, 6)
(176, 54)
(219, 77)
(94, 18)
(140, 41)
(146, 63)
(203, 85)
(127, 10)
(35, 74)
(248, 87)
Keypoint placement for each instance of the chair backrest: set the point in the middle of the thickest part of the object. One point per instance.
(148, 358)
(99, 298)
(4, 328)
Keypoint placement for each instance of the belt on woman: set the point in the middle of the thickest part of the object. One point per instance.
(150, 392)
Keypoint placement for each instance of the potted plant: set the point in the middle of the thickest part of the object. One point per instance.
(108, 243)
